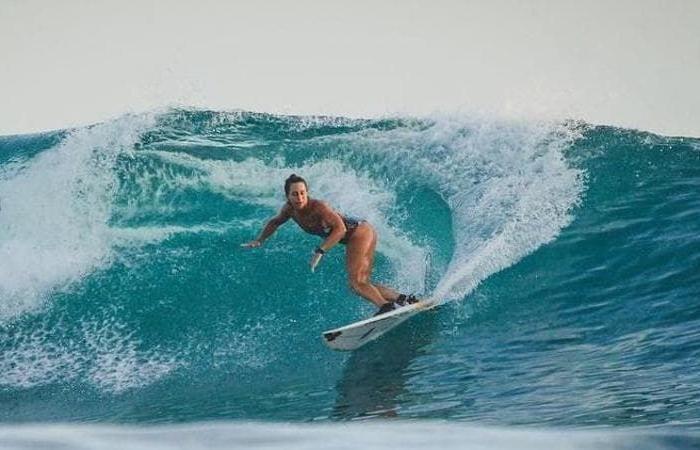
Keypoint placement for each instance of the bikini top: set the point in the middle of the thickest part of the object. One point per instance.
(350, 224)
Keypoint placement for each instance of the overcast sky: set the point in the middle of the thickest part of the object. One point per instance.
(628, 63)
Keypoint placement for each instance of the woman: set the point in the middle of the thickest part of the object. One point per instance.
(359, 237)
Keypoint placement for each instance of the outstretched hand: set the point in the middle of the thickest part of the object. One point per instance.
(315, 259)
(252, 244)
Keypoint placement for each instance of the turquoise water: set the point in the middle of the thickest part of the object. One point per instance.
(567, 256)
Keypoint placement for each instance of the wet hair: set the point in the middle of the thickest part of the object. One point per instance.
(293, 178)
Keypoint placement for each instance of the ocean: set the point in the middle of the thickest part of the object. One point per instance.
(566, 257)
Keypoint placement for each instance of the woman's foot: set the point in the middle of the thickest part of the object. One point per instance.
(385, 308)
(402, 300)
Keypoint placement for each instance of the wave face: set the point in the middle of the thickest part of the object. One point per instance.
(567, 257)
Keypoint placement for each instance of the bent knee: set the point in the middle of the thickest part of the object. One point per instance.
(357, 284)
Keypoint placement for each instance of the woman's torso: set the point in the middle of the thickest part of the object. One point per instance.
(312, 222)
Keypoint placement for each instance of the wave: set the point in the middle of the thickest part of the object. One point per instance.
(122, 278)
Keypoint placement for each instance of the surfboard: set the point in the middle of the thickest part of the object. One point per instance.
(355, 335)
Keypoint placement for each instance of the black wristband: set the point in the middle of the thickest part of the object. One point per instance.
(320, 251)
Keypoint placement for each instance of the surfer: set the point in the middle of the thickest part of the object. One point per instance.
(360, 239)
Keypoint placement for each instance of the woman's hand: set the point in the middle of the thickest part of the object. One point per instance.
(252, 244)
(315, 259)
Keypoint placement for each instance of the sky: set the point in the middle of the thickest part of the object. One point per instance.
(626, 63)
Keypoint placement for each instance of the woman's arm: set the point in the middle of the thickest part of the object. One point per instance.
(338, 230)
(335, 222)
(271, 226)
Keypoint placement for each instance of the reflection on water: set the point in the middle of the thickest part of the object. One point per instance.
(376, 375)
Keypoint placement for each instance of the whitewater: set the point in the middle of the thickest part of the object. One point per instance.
(566, 256)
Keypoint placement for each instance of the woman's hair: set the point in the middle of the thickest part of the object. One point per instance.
(293, 178)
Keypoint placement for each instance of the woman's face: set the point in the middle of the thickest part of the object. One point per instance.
(298, 197)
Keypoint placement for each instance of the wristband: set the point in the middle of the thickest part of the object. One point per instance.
(320, 251)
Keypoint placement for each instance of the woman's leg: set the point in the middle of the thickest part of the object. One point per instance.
(359, 259)
(388, 293)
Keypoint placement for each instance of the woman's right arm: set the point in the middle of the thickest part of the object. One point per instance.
(272, 225)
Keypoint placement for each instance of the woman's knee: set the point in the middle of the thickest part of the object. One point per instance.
(357, 284)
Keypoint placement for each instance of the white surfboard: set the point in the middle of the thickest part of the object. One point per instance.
(355, 335)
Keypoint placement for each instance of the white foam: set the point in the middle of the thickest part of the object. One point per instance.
(388, 434)
(116, 363)
(34, 359)
(104, 352)
(506, 182)
(55, 209)
(523, 205)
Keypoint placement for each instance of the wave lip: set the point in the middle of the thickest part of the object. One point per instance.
(55, 212)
